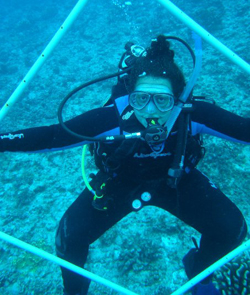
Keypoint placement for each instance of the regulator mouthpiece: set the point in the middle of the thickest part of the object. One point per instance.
(154, 133)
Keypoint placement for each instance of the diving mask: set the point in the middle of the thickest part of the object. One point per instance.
(163, 101)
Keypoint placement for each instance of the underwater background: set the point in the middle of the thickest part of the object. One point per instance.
(143, 252)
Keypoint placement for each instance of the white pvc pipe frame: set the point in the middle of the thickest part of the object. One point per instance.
(73, 15)
(30, 75)
(190, 284)
(205, 35)
(43, 57)
(63, 263)
(208, 271)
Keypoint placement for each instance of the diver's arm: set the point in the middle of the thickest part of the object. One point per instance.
(210, 119)
(52, 138)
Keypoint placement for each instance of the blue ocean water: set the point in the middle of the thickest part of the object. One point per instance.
(38, 188)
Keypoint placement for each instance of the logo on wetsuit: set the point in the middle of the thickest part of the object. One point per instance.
(11, 136)
(127, 115)
(153, 155)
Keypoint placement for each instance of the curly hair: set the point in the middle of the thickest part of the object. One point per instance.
(158, 62)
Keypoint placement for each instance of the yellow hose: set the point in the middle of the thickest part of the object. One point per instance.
(83, 170)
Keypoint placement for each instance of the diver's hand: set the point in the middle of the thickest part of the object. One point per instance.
(98, 182)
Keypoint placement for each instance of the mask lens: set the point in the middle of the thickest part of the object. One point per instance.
(139, 100)
(164, 101)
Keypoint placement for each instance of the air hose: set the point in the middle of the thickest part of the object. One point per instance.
(176, 169)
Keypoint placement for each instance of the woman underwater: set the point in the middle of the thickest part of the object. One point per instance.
(139, 172)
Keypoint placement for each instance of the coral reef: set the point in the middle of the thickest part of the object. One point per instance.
(233, 278)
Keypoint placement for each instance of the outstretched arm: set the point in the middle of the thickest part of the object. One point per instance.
(211, 119)
(52, 138)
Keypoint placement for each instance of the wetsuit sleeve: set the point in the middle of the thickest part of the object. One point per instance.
(210, 119)
(97, 122)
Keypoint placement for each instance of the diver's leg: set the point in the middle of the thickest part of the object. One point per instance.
(80, 226)
(72, 241)
(204, 207)
(201, 205)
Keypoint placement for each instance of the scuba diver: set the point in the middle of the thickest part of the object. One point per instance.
(146, 142)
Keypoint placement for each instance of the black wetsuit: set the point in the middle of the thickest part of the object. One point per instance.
(196, 201)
